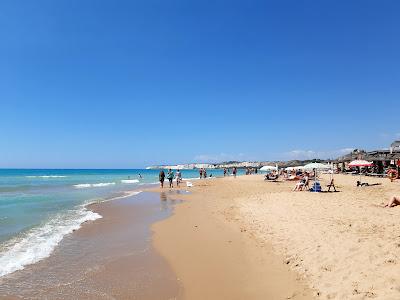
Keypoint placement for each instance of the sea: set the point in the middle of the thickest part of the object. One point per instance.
(39, 207)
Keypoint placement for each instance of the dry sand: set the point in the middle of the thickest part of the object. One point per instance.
(245, 238)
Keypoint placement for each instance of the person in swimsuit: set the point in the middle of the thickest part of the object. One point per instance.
(393, 202)
(161, 178)
(178, 177)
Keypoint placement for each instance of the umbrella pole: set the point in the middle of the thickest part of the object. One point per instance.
(315, 180)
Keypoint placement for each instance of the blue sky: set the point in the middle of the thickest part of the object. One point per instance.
(131, 83)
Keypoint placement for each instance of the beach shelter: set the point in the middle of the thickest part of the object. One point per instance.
(360, 163)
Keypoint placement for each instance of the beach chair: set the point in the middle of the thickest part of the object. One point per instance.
(331, 185)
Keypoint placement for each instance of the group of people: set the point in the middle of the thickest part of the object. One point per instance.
(250, 171)
(203, 173)
(170, 176)
(227, 172)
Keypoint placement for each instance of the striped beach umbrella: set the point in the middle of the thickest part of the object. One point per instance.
(360, 163)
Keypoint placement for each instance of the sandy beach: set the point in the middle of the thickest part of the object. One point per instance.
(245, 238)
(228, 238)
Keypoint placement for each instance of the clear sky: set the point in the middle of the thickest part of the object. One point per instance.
(130, 83)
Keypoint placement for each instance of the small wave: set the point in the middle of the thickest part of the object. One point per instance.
(130, 181)
(46, 176)
(38, 243)
(89, 185)
(125, 195)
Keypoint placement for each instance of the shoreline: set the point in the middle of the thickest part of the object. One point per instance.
(110, 257)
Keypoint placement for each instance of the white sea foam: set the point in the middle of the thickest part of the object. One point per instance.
(125, 195)
(130, 181)
(38, 243)
(89, 185)
(191, 178)
(46, 176)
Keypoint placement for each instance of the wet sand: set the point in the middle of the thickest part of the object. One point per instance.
(110, 258)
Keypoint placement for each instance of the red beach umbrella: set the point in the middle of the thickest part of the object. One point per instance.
(360, 163)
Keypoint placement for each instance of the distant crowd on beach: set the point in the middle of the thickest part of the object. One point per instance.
(302, 178)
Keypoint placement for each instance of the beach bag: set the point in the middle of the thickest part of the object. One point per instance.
(316, 187)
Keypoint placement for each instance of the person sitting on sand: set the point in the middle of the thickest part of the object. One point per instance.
(394, 201)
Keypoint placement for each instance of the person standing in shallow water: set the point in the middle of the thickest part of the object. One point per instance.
(161, 178)
(170, 177)
(201, 173)
(178, 177)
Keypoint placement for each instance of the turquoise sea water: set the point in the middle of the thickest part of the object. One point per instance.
(39, 207)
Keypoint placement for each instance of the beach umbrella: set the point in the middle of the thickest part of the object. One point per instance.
(268, 168)
(316, 166)
(360, 163)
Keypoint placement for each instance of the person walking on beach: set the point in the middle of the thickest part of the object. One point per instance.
(178, 177)
(224, 172)
(204, 173)
(170, 177)
(201, 173)
(161, 178)
(234, 172)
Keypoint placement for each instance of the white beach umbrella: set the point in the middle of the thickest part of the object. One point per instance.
(317, 166)
(268, 168)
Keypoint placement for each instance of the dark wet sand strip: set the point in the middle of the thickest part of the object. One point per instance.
(109, 258)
